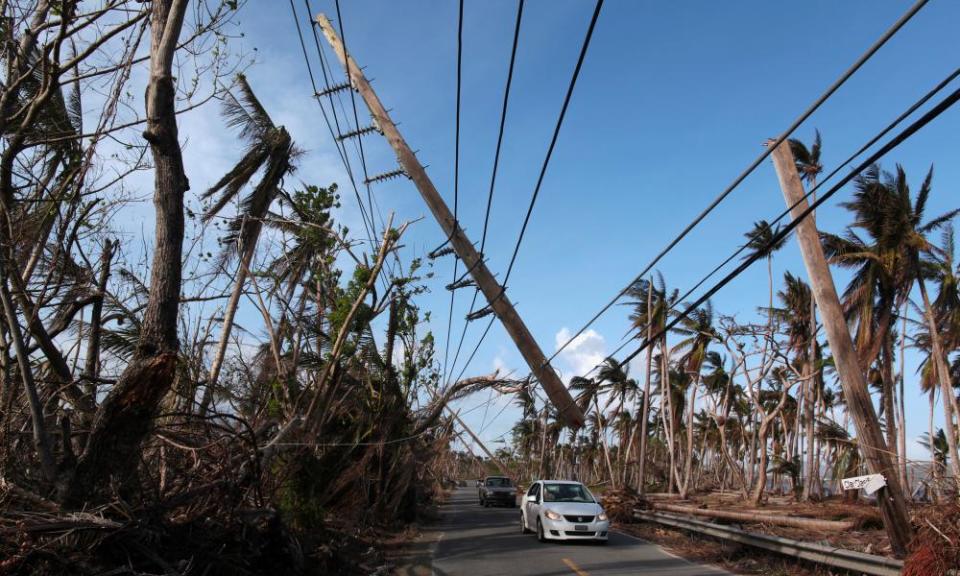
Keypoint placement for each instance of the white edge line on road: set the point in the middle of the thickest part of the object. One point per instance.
(672, 555)
(433, 552)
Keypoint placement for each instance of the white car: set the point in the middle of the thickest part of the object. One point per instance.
(563, 510)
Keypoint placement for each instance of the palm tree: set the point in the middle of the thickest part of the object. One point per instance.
(616, 381)
(643, 319)
(699, 332)
(270, 150)
(763, 240)
(795, 314)
(938, 452)
(807, 159)
(589, 392)
(887, 269)
(652, 304)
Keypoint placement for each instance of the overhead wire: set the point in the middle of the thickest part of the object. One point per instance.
(886, 36)
(358, 144)
(356, 119)
(493, 176)
(334, 134)
(945, 104)
(810, 193)
(543, 169)
(456, 187)
(913, 108)
(369, 222)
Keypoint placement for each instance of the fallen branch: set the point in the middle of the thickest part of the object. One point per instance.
(751, 517)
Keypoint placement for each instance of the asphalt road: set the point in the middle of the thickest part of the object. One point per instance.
(477, 541)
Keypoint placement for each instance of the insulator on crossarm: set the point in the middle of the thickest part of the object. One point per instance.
(385, 176)
(357, 133)
(441, 252)
(485, 311)
(464, 283)
(334, 89)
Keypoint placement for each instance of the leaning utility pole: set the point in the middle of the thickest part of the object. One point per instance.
(500, 465)
(464, 249)
(870, 440)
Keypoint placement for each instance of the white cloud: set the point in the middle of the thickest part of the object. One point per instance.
(584, 352)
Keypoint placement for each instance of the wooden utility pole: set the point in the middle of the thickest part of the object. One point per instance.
(500, 465)
(870, 440)
(494, 293)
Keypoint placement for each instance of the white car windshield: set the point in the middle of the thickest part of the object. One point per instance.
(566, 493)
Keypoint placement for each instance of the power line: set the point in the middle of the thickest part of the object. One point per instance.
(340, 141)
(904, 115)
(553, 140)
(493, 176)
(353, 103)
(546, 162)
(753, 166)
(456, 187)
(946, 103)
(335, 135)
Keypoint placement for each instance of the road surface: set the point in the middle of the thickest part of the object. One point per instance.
(477, 541)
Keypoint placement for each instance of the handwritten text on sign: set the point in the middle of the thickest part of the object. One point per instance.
(869, 484)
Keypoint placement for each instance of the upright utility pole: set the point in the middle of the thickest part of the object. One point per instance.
(870, 440)
(494, 293)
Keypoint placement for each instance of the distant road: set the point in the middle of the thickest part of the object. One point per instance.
(477, 541)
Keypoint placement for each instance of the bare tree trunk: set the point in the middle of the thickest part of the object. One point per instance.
(901, 411)
(809, 409)
(127, 413)
(666, 414)
(229, 314)
(91, 365)
(41, 438)
(946, 385)
(603, 440)
(934, 464)
(688, 457)
(761, 481)
(889, 402)
(645, 413)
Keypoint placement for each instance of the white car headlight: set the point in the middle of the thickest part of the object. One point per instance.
(552, 515)
(602, 517)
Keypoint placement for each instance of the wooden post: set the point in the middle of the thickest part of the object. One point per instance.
(870, 440)
(500, 465)
(494, 293)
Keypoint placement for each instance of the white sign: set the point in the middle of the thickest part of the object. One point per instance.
(869, 484)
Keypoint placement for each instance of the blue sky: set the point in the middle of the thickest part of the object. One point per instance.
(674, 100)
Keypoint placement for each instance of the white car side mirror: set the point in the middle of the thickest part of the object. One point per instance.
(531, 498)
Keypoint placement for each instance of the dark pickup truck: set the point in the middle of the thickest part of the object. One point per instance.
(497, 490)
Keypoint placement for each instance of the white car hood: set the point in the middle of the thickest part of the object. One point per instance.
(574, 508)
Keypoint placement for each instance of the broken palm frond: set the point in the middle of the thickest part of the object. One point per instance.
(462, 389)
(620, 504)
(936, 546)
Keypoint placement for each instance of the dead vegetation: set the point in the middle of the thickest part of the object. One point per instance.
(139, 433)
